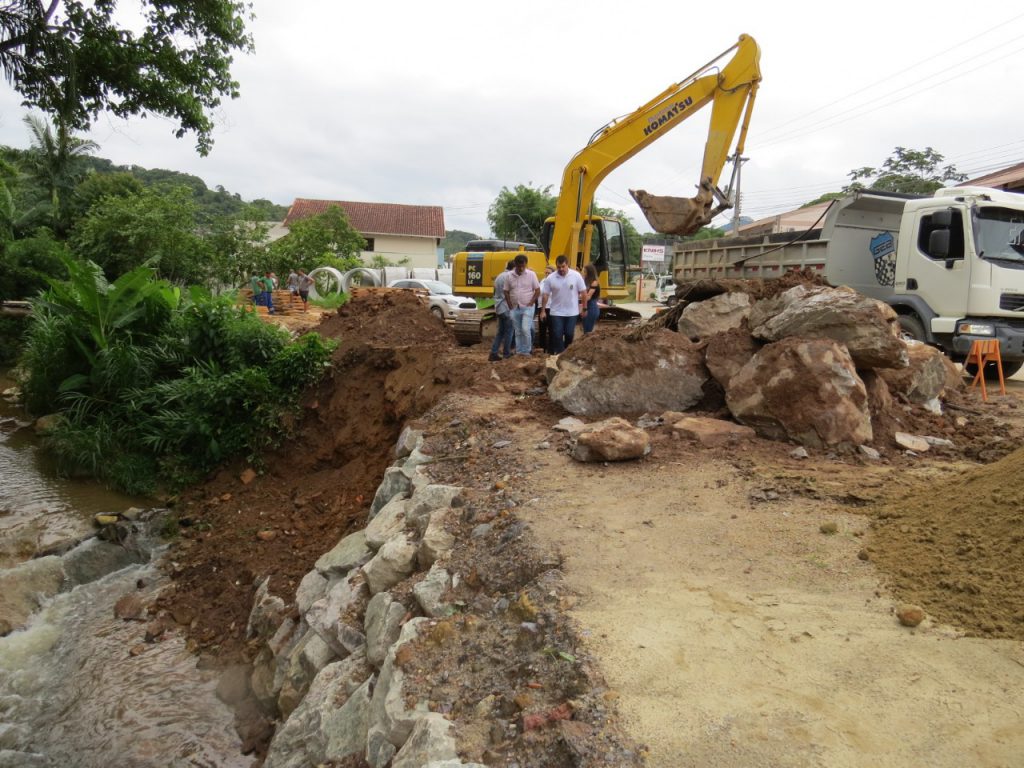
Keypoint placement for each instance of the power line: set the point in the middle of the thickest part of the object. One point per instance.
(1001, 25)
(822, 124)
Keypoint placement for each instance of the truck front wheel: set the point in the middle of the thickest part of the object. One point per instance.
(912, 327)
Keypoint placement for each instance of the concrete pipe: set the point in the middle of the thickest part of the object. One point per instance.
(326, 280)
(360, 277)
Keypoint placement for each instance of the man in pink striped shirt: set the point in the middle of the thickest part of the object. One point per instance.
(521, 291)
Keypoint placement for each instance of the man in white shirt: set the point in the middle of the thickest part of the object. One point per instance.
(563, 298)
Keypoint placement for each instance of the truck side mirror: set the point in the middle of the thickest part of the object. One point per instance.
(942, 219)
(938, 244)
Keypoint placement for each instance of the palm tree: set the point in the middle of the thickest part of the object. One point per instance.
(54, 161)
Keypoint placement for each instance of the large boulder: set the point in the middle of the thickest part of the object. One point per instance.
(704, 319)
(665, 371)
(929, 373)
(806, 390)
(868, 328)
(726, 353)
(331, 720)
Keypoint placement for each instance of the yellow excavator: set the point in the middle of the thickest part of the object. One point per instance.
(574, 230)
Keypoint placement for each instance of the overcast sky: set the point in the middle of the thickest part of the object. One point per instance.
(444, 103)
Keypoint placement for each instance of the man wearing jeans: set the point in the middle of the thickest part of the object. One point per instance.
(521, 291)
(502, 345)
(563, 299)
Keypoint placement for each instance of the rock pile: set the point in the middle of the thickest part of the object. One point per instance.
(330, 669)
(812, 365)
(407, 641)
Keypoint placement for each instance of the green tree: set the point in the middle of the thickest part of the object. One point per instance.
(519, 213)
(121, 233)
(76, 59)
(906, 170)
(236, 246)
(54, 162)
(95, 186)
(324, 239)
(27, 263)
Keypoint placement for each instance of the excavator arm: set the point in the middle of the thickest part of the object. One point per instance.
(730, 89)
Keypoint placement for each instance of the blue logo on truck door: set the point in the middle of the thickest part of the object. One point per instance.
(883, 251)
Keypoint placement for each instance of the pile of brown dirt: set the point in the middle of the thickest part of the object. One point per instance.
(394, 361)
(956, 547)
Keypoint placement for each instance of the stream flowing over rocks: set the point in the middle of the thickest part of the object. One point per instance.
(77, 687)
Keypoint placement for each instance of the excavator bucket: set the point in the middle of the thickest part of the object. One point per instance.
(676, 215)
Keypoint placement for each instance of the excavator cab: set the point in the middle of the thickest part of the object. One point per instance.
(601, 242)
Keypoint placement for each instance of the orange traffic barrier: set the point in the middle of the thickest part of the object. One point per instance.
(982, 353)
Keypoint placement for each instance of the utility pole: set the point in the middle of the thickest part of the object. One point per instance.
(739, 161)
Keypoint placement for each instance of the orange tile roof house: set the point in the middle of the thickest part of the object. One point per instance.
(1011, 179)
(391, 230)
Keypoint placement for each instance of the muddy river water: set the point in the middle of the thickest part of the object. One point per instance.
(71, 693)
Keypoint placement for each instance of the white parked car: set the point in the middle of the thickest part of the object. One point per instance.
(443, 302)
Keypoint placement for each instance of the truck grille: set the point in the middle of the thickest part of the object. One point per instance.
(1012, 301)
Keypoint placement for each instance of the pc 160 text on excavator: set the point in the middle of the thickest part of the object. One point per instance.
(584, 237)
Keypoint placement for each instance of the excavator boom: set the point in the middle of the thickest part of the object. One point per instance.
(731, 90)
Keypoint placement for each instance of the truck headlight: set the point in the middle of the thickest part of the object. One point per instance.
(976, 329)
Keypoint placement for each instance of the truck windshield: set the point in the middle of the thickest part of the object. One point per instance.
(1000, 234)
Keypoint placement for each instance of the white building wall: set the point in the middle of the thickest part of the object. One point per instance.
(420, 251)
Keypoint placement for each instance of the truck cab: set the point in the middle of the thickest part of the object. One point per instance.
(958, 270)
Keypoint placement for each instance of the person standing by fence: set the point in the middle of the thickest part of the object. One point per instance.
(305, 282)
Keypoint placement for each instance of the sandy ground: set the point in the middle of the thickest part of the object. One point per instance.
(737, 634)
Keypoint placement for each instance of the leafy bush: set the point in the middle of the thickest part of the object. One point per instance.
(157, 391)
(331, 301)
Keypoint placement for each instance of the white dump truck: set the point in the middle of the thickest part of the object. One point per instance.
(951, 265)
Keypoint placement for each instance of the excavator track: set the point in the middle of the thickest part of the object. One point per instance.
(474, 325)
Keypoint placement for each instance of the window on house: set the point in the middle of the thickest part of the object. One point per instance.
(369, 243)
